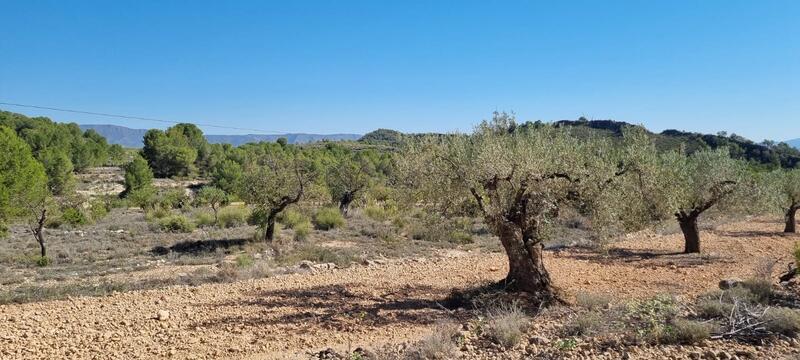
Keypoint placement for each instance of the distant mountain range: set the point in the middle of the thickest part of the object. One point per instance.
(128, 137)
(794, 142)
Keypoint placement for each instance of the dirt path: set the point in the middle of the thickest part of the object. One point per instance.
(285, 316)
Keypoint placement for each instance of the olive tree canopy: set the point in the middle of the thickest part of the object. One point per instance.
(685, 187)
(272, 182)
(517, 181)
(784, 187)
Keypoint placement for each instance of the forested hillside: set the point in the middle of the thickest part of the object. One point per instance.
(768, 154)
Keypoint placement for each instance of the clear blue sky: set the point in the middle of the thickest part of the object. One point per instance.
(345, 66)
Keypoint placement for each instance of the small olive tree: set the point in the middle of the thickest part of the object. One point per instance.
(214, 197)
(784, 187)
(685, 187)
(347, 178)
(273, 182)
(517, 180)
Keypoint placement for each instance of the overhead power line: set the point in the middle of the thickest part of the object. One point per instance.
(141, 118)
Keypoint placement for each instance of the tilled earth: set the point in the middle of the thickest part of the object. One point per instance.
(387, 302)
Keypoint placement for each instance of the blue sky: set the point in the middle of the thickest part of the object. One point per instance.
(353, 66)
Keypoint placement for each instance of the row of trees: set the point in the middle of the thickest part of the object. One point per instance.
(519, 179)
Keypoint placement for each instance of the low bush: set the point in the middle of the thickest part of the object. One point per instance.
(761, 288)
(173, 199)
(291, 217)
(648, 318)
(797, 254)
(592, 301)
(98, 210)
(244, 260)
(713, 308)
(682, 331)
(42, 261)
(74, 216)
(460, 237)
(302, 230)
(376, 212)
(204, 219)
(176, 223)
(157, 213)
(585, 324)
(782, 321)
(506, 324)
(233, 216)
(328, 218)
(441, 344)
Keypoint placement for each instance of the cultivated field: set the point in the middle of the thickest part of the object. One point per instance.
(384, 305)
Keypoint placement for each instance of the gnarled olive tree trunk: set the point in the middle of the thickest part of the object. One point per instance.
(691, 234)
(526, 270)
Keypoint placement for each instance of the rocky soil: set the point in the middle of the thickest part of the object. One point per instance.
(387, 303)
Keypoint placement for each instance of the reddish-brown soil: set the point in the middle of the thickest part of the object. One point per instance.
(287, 316)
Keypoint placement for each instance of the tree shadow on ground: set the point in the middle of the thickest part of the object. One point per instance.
(753, 233)
(641, 258)
(197, 247)
(343, 307)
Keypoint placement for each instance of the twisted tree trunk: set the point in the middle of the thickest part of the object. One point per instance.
(791, 220)
(526, 271)
(269, 228)
(691, 234)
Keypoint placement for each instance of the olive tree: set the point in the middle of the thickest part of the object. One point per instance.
(517, 181)
(784, 186)
(214, 197)
(347, 178)
(685, 187)
(23, 186)
(273, 182)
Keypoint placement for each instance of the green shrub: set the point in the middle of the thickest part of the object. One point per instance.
(233, 216)
(74, 216)
(328, 218)
(176, 223)
(157, 213)
(98, 210)
(782, 321)
(460, 237)
(797, 254)
(173, 199)
(506, 324)
(302, 230)
(376, 212)
(244, 260)
(144, 198)
(290, 218)
(42, 261)
(204, 219)
(648, 318)
(687, 332)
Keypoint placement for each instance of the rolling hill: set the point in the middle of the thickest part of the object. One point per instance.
(133, 137)
(794, 143)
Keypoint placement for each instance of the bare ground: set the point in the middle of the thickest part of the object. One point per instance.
(289, 316)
